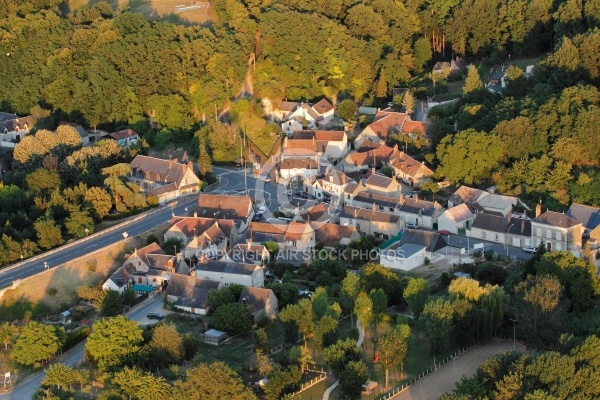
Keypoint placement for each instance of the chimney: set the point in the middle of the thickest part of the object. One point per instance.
(416, 196)
(355, 212)
(190, 165)
(170, 163)
(249, 241)
(538, 209)
(195, 214)
(402, 198)
(373, 170)
(374, 207)
(522, 226)
(285, 142)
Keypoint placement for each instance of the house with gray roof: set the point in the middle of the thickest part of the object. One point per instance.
(556, 230)
(262, 302)
(433, 242)
(419, 212)
(228, 272)
(590, 219)
(371, 222)
(455, 218)
(403, 256)
(189, 293)
(506, 230)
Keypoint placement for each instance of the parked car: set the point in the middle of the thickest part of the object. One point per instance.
(266, 179)
(257, 217)
(410, 225)
(363, 171)
(304, 195)
(529, 249)
(155, 315)
(305, 293)
(299, 193)
(444, 233)
(288, 192)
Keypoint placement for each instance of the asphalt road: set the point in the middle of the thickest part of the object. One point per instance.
(72, 357)
(97, 241)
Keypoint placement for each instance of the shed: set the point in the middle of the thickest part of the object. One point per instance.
(64, 317)
(213, 336)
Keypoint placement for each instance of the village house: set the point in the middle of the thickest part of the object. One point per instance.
(370, 222)
(320, 212)
(410, 171)
(556, 231)
(419, 212)
(189, 293)
(298, 168)
(125, 138)
(261, 232)
(456, 219)
(480, 200)
(369, 155)
(332, 235)
(165, 179)
(297, 116)
(220, 206)
(330, 144)
(299, 236)
(386, 123)
(505, 230)
(143, 270)
(381, 184)
(249, 253)
(590, 220)
(228, 272)
(262, 302)
(331, 184)
(14, 128)
(203, 236)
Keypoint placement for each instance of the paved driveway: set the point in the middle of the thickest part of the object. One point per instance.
(443, 380)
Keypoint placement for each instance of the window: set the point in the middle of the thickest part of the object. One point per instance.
(548, 233)
(496, 237)
(153, 279)
(538, 232)
(139, 280)
(483, 234)
(558, 235)
(558, 247)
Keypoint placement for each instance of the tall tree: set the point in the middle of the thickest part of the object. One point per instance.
(352, 379)
(392, 347)
(59, 375)
(214, 381)
(436, 320)
(415, 294)
(37, 343)
(473, 81)
(111, 340)
(349, 293)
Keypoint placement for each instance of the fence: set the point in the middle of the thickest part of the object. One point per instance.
(322, 375)
(400, 388)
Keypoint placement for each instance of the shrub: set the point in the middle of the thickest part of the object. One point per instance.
(52, 291)
(353, 333)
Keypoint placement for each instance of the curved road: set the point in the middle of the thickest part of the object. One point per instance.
(135, 226)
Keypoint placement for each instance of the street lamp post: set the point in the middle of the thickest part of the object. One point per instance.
(46, 266)
(514, 321)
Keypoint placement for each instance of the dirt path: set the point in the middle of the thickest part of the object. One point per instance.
(441, 381)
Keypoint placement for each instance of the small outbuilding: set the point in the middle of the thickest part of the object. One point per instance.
(213, 336)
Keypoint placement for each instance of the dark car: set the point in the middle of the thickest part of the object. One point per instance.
(363, 171)
(155, 315)
(257, 217)
(444, 233)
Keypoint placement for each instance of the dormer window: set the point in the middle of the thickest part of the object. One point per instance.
(148, 175)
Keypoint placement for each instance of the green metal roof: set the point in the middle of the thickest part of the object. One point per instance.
(143, 288)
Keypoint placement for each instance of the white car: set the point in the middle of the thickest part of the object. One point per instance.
(266, 179)
(288, 192)
(529, 249)
(410, 225)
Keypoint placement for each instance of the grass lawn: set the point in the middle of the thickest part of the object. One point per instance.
(192, 10)
(524, 62)
(456, 86)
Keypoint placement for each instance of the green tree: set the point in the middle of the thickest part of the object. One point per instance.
(204, 160)
(326, 332)
(8, 333)
(379, 307)
(112, 303)
(469, 156)
(347, 109)
(261, 341)
(338, 356)
(473, 81)
(349, 292)
(233, 318)
(214, 381)
(59, 375)
(409, 102)
(78, 221)
(112, 340)
(219, 297)
(436, 320)
(48, 233)
(352, 379)
(392, 347)
(281, 381)
(168, 342)
(37, 343)
(42, 181)
(363, 309)
(415, 294)
(99, 200)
